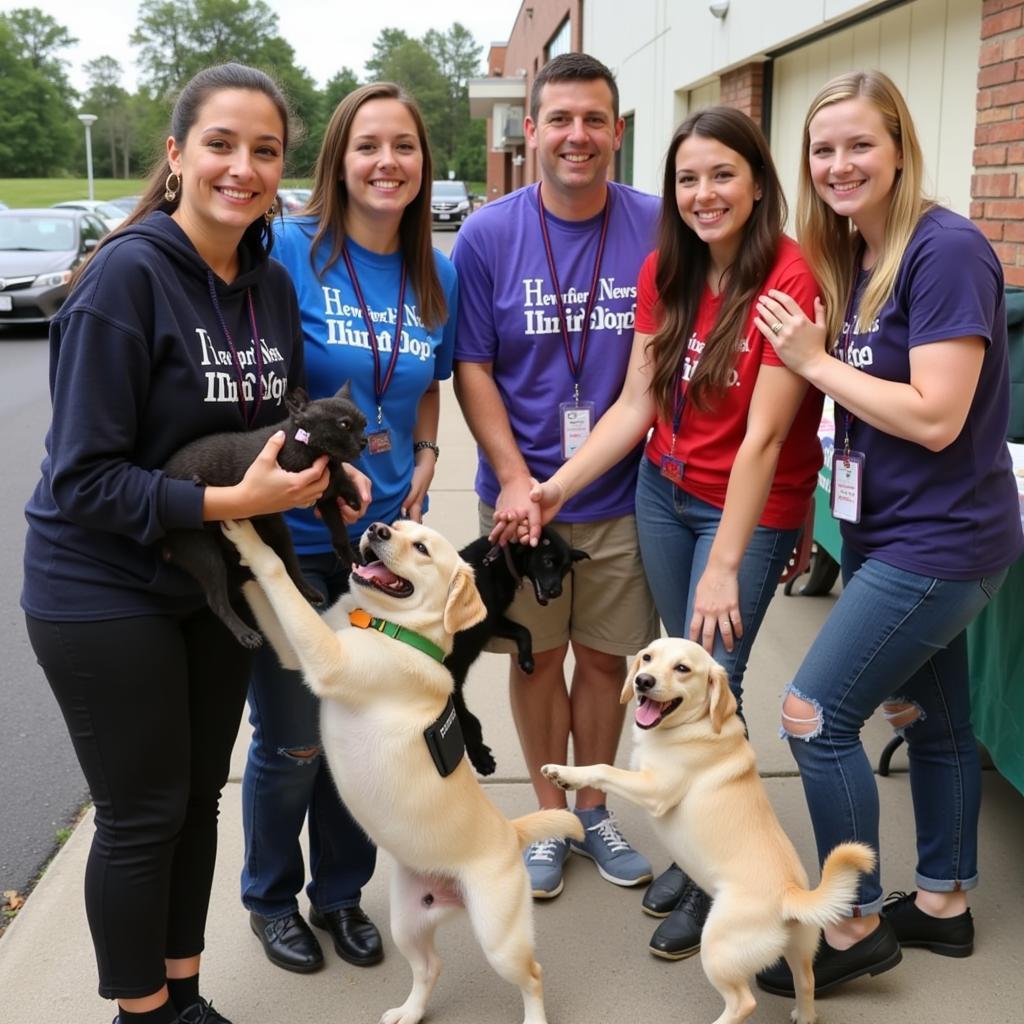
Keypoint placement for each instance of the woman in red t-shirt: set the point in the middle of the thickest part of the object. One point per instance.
(733, 456)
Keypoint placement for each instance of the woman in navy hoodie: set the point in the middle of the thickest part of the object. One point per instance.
(179, 326)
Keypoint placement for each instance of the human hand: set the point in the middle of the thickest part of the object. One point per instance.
(549, 496)
(798, 341)
(516, 517)
(364, 488)
(422, 475)
(267, 487)
(716, 606)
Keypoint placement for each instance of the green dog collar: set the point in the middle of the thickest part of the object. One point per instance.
(364, 620)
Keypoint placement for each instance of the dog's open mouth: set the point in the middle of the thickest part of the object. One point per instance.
(650, 712)
(377, 574)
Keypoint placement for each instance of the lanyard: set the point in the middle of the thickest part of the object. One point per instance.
(847, 343)
(379, 385)
(247, 418)
(575, 366)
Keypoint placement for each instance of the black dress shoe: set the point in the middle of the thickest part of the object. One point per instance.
(356, 938)
(949, 936)
(875, 953)
(678, 936)
(288, 942)
(663, 894)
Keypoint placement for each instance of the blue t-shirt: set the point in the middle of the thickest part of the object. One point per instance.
(337, 348)
(951, 514)
(508, 317)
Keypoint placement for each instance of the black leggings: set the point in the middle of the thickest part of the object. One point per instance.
(153, 706)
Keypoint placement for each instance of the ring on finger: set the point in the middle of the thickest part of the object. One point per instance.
(776, 327)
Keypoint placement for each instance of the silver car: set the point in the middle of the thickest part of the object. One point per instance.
(39, 250)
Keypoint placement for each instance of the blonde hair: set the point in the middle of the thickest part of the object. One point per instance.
(829, 242)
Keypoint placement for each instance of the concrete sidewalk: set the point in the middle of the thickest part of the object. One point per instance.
(592, 940)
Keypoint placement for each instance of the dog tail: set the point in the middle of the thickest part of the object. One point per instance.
(837, 889)
(547, 825)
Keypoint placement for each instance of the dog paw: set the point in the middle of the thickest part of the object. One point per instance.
(243, 535)
(483, 760)
(400, 1015)
(561, 775)
(250, 639)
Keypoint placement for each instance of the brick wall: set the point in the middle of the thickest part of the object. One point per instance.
(997, 186)
(743, 88)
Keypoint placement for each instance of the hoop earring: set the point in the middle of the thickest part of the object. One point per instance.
(271, 212)
(170, 194)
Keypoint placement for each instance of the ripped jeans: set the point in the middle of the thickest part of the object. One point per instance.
(894, 639)
(287, 778)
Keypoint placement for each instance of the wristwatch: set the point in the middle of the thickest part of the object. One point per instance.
(418, 446)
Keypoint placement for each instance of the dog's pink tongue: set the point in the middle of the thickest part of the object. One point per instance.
(375, 571)
(648, 712)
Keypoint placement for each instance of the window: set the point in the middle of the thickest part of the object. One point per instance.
(624, 157)
(560, 42)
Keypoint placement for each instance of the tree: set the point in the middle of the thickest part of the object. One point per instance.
(457, 56)
(38, 133)
(41, 38)
(338, 87)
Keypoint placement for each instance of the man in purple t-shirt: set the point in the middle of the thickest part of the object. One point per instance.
(547, 282)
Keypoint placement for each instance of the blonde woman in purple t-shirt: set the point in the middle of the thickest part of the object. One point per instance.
(922, 485)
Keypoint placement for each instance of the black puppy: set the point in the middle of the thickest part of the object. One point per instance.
(327, 426)
(500, 572)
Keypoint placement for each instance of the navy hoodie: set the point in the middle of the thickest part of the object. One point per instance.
(139, 366)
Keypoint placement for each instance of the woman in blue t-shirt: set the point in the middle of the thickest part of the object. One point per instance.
(365, 274)
(923, 485)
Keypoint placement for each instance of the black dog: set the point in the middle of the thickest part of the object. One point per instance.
(327, 426)
(499, 574)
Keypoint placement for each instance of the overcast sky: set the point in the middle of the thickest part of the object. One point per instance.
(325, 36)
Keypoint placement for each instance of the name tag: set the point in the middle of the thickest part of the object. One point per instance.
(847, 485)
(672, 469)
(378, 442)
(577, 421)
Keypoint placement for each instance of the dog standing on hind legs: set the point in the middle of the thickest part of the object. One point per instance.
(695, 773)
(375, 660)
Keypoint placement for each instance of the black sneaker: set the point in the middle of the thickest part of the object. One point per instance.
(678, 936)
(201, 1013)
(947, 936)
(875, 953)
(664, 893)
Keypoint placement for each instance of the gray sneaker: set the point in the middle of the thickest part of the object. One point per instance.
(606, 846)
(544, 860)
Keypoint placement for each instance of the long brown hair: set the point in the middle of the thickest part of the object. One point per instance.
(684, 261)
(329, 200)
(190, 101)
(829, 242)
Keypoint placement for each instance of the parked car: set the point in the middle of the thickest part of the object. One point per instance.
(293, 199)
(110, 214)
(450, 203)
(39, 249)
(125, 203)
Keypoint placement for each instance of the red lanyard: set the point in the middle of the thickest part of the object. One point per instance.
(379, 385)
(575, 366)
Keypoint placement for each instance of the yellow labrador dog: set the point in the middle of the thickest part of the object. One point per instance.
(374, 659)
(695, 772)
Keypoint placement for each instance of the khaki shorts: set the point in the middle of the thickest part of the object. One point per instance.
(605, 603)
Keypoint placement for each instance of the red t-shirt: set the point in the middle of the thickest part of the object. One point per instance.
(708, 441)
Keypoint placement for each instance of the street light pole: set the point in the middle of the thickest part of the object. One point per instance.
(88, 120)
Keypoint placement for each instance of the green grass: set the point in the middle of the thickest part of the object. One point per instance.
(47, 191)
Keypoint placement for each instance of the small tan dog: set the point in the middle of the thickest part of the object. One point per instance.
(696, 774)
(383, 689)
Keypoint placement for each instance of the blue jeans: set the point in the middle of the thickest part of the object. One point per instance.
(894, 636)
(676, 531)
(280, 788)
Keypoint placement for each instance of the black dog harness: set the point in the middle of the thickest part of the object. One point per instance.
(444, 735)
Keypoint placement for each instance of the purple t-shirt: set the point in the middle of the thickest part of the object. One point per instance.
(508, 317)
(951, 514)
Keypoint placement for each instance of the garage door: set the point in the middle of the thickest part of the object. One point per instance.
(930, 50)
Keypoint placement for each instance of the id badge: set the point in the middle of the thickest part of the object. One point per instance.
(672, 468)
(577, 421)
(379, 441)
(847, 485)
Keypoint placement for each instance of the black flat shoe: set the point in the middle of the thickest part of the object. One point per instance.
(874, 954)
(664, 892)
(678, 936)
(288, 942)
(202, 1013)
(355, 936)
(947, 936)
